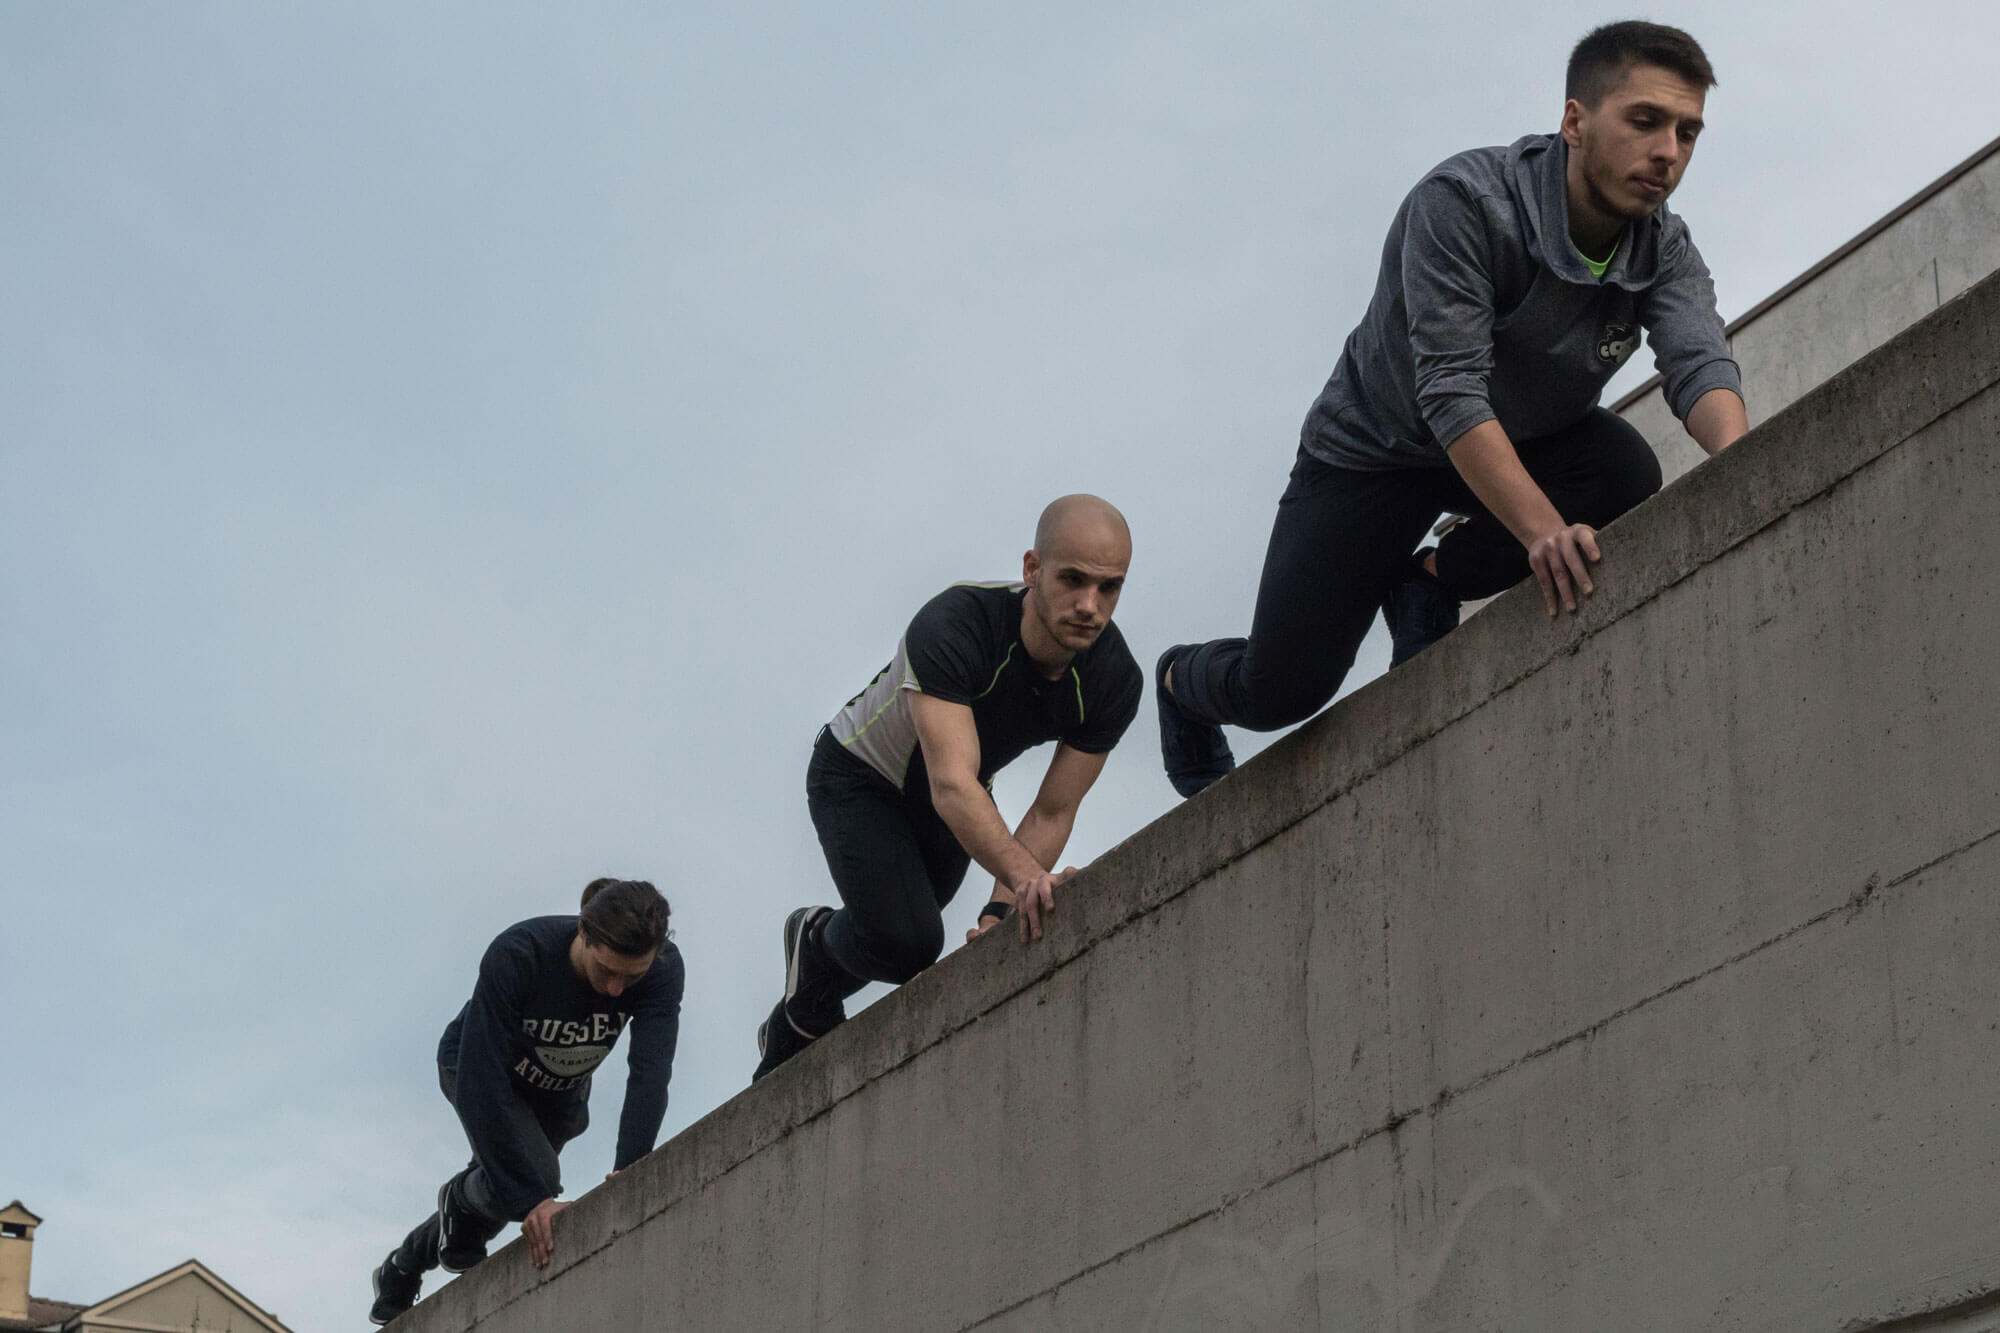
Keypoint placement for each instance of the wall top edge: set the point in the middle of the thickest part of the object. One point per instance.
(1805, 279)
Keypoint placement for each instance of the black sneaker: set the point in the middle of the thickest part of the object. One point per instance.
(395, 1291)
(811, 1004)
(1196, 754)
(1419, 612)
(777, 1041)
(462, 1233)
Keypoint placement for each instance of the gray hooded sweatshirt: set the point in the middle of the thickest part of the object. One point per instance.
(1484, 310)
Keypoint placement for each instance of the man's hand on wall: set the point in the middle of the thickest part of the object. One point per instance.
(1035, 897)
(536, 1226)
(1561, 560)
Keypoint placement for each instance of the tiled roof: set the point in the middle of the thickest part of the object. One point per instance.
(42, 1314)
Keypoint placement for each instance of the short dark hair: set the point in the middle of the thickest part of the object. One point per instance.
(626, 916)
(1600, 60)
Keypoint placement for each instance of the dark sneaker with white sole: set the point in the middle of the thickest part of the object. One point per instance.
(811, 1006)
(1419, 612)
(1196, 754)
(462, 1233)
(809, 994)
(395, 1291)
(777, 1041)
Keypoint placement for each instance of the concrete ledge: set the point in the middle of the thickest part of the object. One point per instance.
(1928, 251)
(1636, 964)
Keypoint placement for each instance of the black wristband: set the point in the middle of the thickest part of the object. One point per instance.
(996, 909)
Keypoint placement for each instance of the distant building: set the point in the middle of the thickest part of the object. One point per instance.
(185, 1299)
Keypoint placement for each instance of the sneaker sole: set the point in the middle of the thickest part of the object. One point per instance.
(795, 941)
(443, 1191)
(795, 929)
(769, 1035)
(375, 1281)
(1206, 773)
(796, 926)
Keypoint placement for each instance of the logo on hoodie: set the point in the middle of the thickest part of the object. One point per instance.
(1619, 341)
(567, 1050)
(570, 1061)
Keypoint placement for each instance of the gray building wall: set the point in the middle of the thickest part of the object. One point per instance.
(1945, 239)
(1635, 971)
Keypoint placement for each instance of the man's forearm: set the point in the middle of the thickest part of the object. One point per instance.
(1485, 457)
(1717, 420)
(1044, 833)
(639, 1121)
(968, 811)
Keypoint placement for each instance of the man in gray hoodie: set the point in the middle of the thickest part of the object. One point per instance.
(1514, 283)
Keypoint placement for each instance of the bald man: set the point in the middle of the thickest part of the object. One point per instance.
(898, 783)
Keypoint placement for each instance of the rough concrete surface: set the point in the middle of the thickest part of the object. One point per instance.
(1931, 250)
(1633, 971)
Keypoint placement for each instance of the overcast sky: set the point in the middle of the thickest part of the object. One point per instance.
(448, 453)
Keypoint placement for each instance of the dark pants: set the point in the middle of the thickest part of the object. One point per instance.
(1343, 537)
(544, 1126)
(895, 864)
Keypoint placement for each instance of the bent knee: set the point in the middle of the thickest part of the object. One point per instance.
(1639, 482)
(1630, 472)
(903, 967)
(901, 954)
(1273, 711)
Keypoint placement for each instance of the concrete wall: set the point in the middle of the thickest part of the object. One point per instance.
(1925, 253)
(1636, 971)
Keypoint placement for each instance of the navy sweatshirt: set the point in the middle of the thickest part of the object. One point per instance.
(534, 1029)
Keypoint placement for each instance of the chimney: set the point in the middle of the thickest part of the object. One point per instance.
(17, 1249)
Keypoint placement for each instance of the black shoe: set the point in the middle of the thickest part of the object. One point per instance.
(777, 1041)
(1419, 612)
(1196, 754)
(395, 1291)
(812, 1005)
(462, 1233)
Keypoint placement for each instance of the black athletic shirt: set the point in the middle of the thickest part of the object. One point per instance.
(533, 1028)
(965, 647)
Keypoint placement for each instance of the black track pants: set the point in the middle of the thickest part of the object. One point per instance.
(544, 1126)
(1343, 537)
(895, 864)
